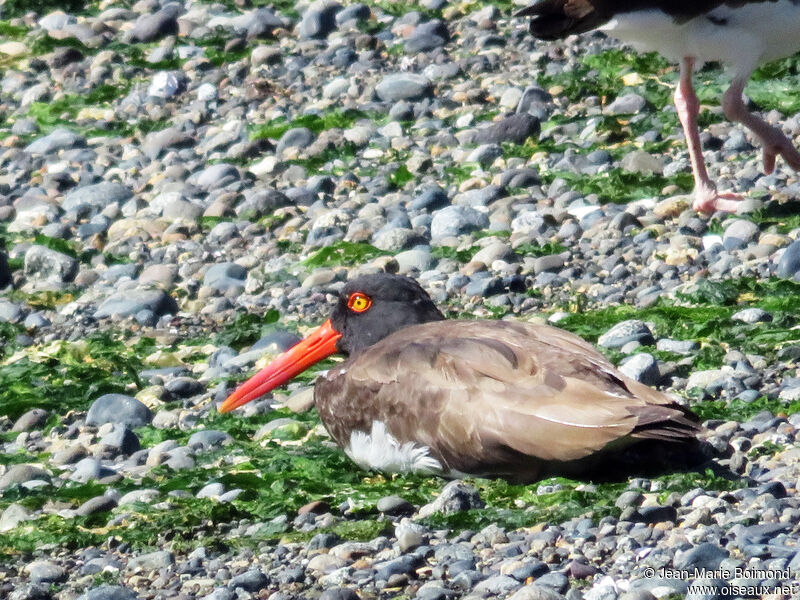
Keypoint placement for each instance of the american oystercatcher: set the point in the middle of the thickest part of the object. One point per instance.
(451, 397)
(739, 33)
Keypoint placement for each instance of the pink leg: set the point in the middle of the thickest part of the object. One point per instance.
(706, 197)
(774, 142)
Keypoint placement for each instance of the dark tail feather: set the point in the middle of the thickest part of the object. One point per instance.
(668, 423)
(551, 22)
(653, 457)
(546, 7)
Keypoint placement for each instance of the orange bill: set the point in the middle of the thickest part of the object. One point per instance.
(320, 344)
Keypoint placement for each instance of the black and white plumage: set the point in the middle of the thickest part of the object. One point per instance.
(738, 33)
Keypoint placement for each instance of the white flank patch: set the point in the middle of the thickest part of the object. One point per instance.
(379, 450)
(741, 36)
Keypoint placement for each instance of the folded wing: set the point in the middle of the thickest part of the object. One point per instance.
(488, 393)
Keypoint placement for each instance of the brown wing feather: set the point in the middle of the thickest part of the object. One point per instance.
(486, 396)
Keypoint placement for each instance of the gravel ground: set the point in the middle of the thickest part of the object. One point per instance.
(184, 186)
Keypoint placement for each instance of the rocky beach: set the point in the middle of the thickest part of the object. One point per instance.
(185, 186)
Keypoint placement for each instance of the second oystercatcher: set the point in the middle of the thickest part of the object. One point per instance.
(739, 33)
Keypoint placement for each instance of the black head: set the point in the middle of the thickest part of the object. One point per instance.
(374, 306)
(369, 309)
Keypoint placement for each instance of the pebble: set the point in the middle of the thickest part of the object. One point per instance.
(642, 367)
(427, 36)
(208, 439)
(452, 221)
(121, 439)
(625, 332)
(96, 197)
(739, 233)
(752, 316)
(33, 419)
(152, 27)
(118, 408)
(151, 561)
(48, 265)
(41, 571)
(89, 469)
(706, 556)
(394, 505)
(536, 592)
(133, 302)
(339, 594)
(789, 264)
(59, 139)
(109, 592)
(677, 346)
(98, 504)
(12, 516)
(21, 474)
(319, 19)
(626, 104)
(515, 128)
(403, 86)
(456, 496)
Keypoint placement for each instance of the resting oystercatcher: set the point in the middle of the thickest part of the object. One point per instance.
(739, 33)
(488, 398)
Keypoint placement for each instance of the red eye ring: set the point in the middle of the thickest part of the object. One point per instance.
(359, 302)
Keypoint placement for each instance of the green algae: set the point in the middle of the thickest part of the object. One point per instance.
(65, 376)
(19, 8)
(343, 253)
(333, 119)
(703, 314)
(246, 329)
(618, 186)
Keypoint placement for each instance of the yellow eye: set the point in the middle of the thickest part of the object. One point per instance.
(358, 302)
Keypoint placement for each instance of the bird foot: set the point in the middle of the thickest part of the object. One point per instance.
(777, 144)
(708, 200)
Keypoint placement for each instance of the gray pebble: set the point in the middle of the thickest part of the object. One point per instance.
(456, 496)
(152, 27)
(89, 469)
(642, 367)
(789, 264)
(121, 439)
(22, 474)
(535, 591)
(95, 505)
(626, 104)
(109, 592)
(33, 419)
(752, 316)
(403, 86)
(339, 594)
(455, 220)
(43, 571)
(704, 556)
(58, 139)
(49, 265)
(253, 580)
(624, 332)
(118, 408)
(319, 19)
(515, 128)
(131, 302)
